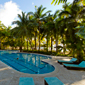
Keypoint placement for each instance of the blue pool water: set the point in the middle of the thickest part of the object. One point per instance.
(27, 63)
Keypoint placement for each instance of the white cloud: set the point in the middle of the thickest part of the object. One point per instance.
(32, 3)
(8, 12)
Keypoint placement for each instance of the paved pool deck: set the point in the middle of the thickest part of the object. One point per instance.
(9, 76)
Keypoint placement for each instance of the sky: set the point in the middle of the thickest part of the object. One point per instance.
(10, 8)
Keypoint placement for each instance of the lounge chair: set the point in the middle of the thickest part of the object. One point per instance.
(52, 81)
(26, 81)
(71, 61)
(80, 66)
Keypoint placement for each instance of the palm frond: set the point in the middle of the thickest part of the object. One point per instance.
(43, 9)
(64, 13)
(16, 22)
(58, 1)
(56, 13)
(29, 13)
(19, 16)
(43, 15)
(39, 10)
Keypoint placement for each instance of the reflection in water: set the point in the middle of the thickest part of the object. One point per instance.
(25, 57)
(35, 60)
(27, 63)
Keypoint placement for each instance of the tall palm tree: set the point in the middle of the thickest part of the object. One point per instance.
(33, 26)
(56, 27)
(38, 16)
(21, 29)
(69, 20)
(64, 1)
(30, 28)
(2, 32)
(51, 28)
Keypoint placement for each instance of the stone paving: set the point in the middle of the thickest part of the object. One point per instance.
(9, 76)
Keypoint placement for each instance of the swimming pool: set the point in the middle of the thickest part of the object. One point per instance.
(26, 63)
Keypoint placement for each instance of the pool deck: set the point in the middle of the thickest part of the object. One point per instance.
(9, 76)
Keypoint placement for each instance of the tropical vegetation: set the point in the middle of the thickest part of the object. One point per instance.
(63, 31)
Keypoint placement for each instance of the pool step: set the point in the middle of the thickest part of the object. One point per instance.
(26, 66)
(23, 60)
(16, 65)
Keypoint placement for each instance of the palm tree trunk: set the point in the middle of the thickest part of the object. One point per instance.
(24, 44)
(64, 48)
(35, 40)
(31, 44)
(56, 43)
(27, 44)
(0, 44)
(39, 38)
(20, 44)
(47, 42)
(20, 48)
(51, 44)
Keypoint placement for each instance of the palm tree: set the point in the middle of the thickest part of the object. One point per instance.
(56, 27)
(33, 26)
(30, 28)
(69, 20)
(2, 32)
(46, 30)
(38, 16)
(64, 1)
(51, 28)
(81, 31)
(21, 29)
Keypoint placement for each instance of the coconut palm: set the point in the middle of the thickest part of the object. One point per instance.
(2, 32)
(21, 29)
(46, 30)
(38, 16)
(56, 27)
(51, 28)
(69, 20)
(33, 24)
(64, 1)
(30, 28)
(81, 31)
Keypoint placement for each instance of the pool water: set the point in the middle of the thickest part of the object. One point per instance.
(27, 63)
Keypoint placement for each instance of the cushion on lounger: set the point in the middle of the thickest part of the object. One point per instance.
(52, 81)
(82, 64)
(71, 61)
(26, 81)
